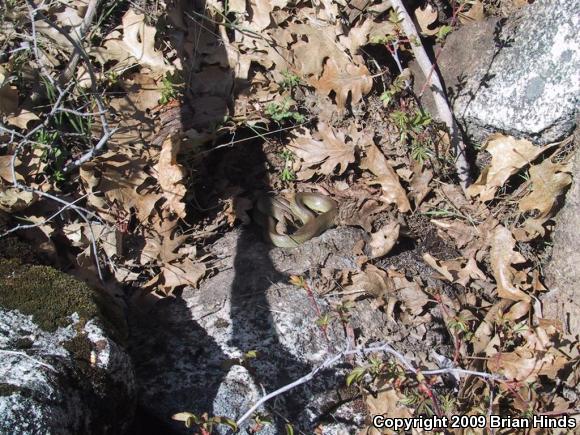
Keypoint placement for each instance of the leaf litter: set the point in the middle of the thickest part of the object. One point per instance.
(433, 257)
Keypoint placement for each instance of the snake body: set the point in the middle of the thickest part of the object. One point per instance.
(301, 208)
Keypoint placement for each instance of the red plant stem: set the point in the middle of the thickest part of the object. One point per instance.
(456, 12)
(310, 294)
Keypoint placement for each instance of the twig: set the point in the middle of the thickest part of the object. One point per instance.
(461, 164)
(68, 72)
(47, 220)
(107, 133)
(383, 348)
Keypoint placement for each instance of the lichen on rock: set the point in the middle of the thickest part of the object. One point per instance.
(63, 365)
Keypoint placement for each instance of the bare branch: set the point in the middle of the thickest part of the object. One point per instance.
(380, 348)
(461, 164)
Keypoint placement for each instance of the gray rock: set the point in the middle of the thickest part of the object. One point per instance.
(61, 371)
(189, 352)
(563, 272)
(519, 76)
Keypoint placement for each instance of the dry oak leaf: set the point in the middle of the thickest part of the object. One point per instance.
(526, 365)
(122, 180)
(14, 200)
(344, 80)
(549, 182)
(6, 168)
(426, 17)
(419, 186)
(325, 154)
(260, 12)
(386, 401)
(413, 299)
(508, 156)
(383, 240)
(137, 45)
(184, 272)
(171, 176)
(392, 191)
(459, 231)
(502, 256)
(373, 281)
(22, 118)
(162, 242)
(309, 56)
(365, 32)
(458, 271)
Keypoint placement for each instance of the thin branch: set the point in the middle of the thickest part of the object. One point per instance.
(382, 348)
(68, 72)
(461, 164)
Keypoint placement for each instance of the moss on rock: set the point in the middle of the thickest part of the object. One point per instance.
(46, 294)
(51, 296)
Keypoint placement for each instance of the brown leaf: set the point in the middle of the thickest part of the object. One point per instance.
(184, 272)
(142, 91)
(526, 365)
(426, 17)
(387, 401)
(459, 271)
(171, 176)
(475, 13)
(419, 186)
(459, 231)
(137, 45)
(122, 180)
(366, 31)
(508, 156)
(413, 299)
(344, 80)
(383, 240)
(549, 182)
(22, 118)
(325, 154)
(393, 192)
(373, 281)
(13, 200)
(6, 168)
(502, 256)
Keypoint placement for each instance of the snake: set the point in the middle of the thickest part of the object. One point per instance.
(271, 209)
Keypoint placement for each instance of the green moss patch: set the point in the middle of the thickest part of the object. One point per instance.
(46, 294)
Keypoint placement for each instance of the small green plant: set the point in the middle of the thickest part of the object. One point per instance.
(413, 128)
(282, 110)
(442, 33)
(395, 89)
(259, 422)
(290, 80)
(204, 423)
(51, 153)
(288, 173)
(170, 87)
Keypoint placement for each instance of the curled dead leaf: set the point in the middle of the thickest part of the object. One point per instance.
(425, 18)
(502, 256)
(508, 156)
(383, 240)
(171, 176)
(137, 45)
(549, 183)
(392, 191)
(526, 365)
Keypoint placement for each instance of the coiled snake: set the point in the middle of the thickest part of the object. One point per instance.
(269, 210)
